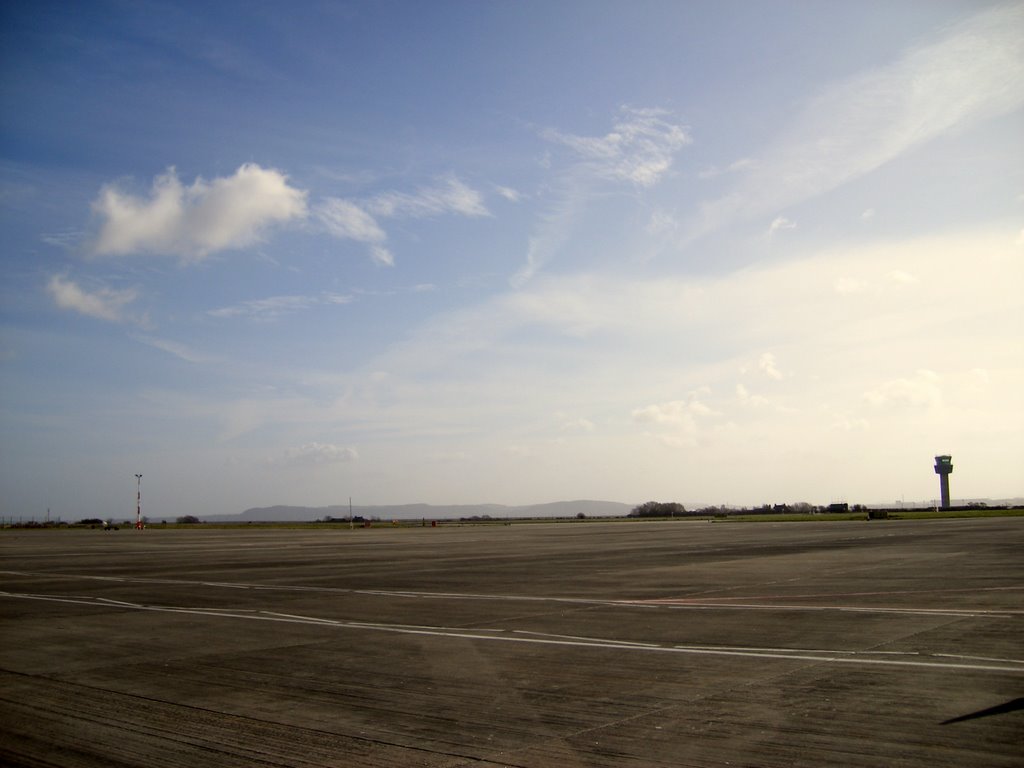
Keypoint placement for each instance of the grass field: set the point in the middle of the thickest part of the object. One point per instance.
(930, 514)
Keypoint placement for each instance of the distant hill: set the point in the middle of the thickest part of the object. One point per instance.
(282, 513)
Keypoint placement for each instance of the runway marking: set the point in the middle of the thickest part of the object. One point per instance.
(692, 603)
(954, 612)
(1005, 666)
(1013, 587)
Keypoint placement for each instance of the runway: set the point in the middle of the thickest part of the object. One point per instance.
(584, 643)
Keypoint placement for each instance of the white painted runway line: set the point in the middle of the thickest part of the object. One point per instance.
(675, 603)
(912, 659)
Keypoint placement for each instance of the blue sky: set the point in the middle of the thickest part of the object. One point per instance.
(461, 252)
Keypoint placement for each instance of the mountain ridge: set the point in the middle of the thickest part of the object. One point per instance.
(297, 513)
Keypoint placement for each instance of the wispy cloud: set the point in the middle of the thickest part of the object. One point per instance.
(66, 240)
(749, 399)
(582, 330)
(196, 221)
(972, 72)
(346, 220)
(712, 172)
(359, 219)
(102, 303)
(766, 364)
(779, 224)
(315, 454)
(671, 412)
(512, 195)
(640, 147)
(678, 420)
(272, 307)
(451, 196)
(640, 150)
(923, 389)
(175, 348)
(569, 424)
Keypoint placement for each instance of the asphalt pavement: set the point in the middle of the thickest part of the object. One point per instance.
(558, 644)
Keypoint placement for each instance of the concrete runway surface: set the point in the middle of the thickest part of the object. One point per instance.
(570, 644)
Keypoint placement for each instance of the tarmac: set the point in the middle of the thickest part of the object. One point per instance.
(678, 643)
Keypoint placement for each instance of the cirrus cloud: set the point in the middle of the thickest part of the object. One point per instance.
(640, 147)
(352, 220)
(971, 72)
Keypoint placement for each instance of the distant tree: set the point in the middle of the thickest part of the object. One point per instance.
(580, 516)
(658, 509)
(90, 521)
(187, 519)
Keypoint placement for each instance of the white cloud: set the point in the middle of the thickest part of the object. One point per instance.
(196, 221)
(848, 285)
(175, 348)
(273, 307)
(868, 215)
(780, 223)
(973, 72)
(661, 223)
(552, 232)
(66, 240)
(103, 303)
(766, 364)
(672, 412)
(382, 256)
(891, 282)
(268, 308)
(315, 454)
(619, 351)
(348, 221)
(512, 195)
(748, 399)
(452, 196)
(847, 424)
(337, 298)
(981, 378)
(900, 277)
(922, 390)
(351, 220)
(743, 164)
(640, 148)
(568, 424)
(677, 420)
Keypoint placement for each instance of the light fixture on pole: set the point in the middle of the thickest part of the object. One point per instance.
(138, 502)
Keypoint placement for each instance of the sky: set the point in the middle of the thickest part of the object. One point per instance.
(508, 252)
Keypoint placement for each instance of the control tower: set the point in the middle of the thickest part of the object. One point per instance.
(944, 468)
